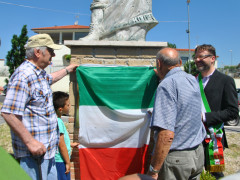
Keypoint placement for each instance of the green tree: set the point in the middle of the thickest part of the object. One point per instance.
(172, 45)
(17, 54)
(194, 70)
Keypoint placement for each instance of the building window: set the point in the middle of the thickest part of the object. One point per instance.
(80, 35)
(184, 60)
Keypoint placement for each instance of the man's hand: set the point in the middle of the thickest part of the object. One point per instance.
(74, 144)
(150, 113)
(36, 148)
(72, 68)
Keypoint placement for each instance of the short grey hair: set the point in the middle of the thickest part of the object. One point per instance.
(30, 51)
(168, 60)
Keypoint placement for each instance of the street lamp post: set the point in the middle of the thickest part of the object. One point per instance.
(188, 31)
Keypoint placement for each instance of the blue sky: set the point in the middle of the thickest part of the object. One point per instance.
(215, 22)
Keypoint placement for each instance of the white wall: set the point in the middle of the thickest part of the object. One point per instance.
(62, 85)
(237, 82)
(2, 80)
(58, 59)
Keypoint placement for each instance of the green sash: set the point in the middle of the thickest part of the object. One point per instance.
(214, 150)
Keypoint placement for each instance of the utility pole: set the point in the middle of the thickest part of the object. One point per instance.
(188, 31)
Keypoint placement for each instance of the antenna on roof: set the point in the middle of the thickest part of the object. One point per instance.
(76, 22)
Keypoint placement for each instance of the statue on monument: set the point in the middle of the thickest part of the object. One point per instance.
(120, 20)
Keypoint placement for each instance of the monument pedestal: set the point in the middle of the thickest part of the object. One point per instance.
(130, 53)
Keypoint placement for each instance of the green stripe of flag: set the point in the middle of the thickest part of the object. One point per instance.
(117, 87)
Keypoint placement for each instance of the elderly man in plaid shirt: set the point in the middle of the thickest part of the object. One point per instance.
(28, 109)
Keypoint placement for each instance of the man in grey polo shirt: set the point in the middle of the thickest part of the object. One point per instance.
(176, 121)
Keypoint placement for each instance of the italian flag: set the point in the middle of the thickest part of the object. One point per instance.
(113, 120)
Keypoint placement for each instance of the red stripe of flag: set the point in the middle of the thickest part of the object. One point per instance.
(111, 163)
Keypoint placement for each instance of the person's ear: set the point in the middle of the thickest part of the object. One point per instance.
(37, 52)
(180, 63)
(158, 63)
(59, 111)
(213, 59)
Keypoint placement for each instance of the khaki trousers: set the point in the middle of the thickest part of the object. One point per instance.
(183, 165)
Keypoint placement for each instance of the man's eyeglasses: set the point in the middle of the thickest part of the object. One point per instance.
(202, 57)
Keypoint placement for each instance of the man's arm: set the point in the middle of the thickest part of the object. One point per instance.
(64, 153)
(63, 72)
(162, 147)
(15, 123)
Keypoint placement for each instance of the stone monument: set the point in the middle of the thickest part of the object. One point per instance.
(120, 20)
(117, 37)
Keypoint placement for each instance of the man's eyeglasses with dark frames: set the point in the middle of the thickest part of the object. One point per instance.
(202, 57)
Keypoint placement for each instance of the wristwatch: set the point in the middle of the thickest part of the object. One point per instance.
(153, 170)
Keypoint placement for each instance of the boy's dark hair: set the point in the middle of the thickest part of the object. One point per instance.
(59, 99)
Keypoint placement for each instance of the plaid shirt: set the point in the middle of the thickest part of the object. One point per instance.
(30, 96)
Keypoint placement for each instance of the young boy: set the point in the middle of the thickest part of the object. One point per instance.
(61, 105)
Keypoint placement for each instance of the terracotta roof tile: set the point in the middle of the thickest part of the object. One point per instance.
(185, 49)
(63, 27)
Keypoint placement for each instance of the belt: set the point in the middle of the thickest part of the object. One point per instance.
(187, 149)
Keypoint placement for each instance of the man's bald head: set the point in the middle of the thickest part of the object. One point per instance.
(168, 56)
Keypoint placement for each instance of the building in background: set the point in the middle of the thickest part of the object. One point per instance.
(70, 32)
(73, 32)
(59, 34)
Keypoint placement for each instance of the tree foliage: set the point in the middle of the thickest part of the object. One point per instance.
(194, 70)
(17, 54)
(231, 68)
(172, 45)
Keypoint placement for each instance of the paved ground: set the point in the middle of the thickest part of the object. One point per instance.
(232, 128)
(2, 98)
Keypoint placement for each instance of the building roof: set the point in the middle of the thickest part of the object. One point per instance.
(62, 27)
(185, 49)
(57, 29)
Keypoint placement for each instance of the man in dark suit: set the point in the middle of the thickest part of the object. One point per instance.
(220, 91)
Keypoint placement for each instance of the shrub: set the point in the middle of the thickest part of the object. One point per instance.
(206, 176)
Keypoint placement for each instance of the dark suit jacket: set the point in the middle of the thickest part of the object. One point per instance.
(222, 98)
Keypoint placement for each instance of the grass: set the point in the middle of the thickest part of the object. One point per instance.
(231, 155)
(5, 140)
(206, 176)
